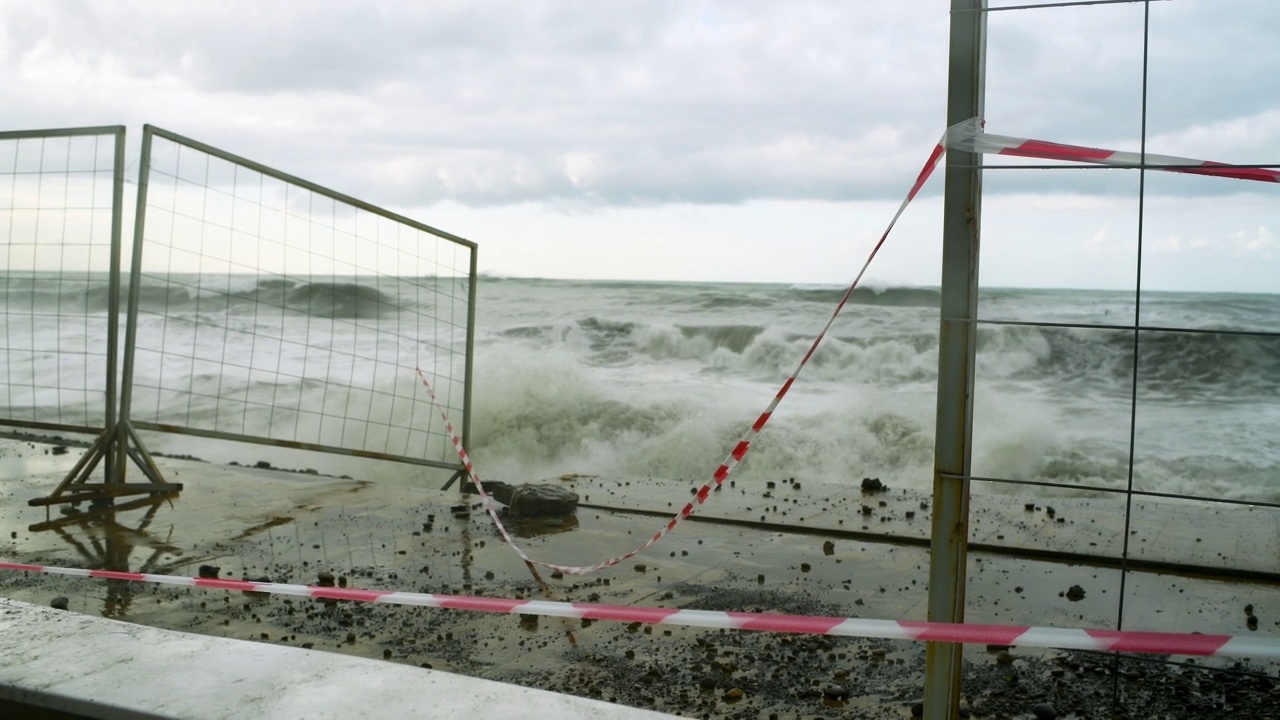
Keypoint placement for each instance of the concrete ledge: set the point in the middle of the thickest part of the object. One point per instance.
(59, 664)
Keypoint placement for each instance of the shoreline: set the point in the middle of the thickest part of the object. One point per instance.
(253, 522)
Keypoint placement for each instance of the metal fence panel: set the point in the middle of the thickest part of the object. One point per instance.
(269, 309)
(60, 210)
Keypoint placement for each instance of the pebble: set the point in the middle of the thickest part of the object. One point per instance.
(59, 603)
(1044, 711)
(828, 548)
(733, 695)
(835, 692)
(1075, 593)
(209, 571)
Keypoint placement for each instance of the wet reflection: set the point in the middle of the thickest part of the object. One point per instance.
(106, 542)
(538, 526)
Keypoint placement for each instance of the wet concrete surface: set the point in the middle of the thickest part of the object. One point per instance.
(822, 551)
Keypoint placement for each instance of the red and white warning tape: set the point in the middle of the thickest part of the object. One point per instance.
(739, 450)
(965, 136)
(1021, 635)
(968, 137)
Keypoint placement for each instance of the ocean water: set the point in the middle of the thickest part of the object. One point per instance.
(660, 379)
(644, 379)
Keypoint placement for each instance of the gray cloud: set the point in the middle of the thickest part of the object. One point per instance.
(626, 104)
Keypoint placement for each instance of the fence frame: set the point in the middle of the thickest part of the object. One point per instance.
(112, 441)
(149, 133)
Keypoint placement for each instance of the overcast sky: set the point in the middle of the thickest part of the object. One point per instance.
(734, 141)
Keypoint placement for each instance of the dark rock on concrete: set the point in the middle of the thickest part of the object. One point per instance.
(1044, 711)
(1075, 593)
(60, 603)
(542, 501)
(496, 489)
(872, 485)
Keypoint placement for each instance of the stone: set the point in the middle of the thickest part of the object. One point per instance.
(828, 548)
(209, 572)
(1044, 711)
(1075, 593)
(733, 695)
(542, 501)
(496, 489)
(59, 603)
(835, 692)
(872, 485)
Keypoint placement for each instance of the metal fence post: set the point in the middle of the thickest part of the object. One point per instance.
(957, 345)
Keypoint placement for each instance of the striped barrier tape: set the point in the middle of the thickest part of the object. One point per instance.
(739, 450)
(968, 137)
(1163, 643)
(965, 136)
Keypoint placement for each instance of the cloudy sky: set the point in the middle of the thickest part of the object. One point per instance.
(700, 140)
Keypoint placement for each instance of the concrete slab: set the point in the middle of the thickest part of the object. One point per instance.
(100, 668)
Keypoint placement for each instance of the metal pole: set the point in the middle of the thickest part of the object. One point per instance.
(471, 352)
(113, 448)
(135, 288)
(957, 344)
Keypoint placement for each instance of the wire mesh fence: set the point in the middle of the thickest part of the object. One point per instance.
(268, 309)
(1125, 408)
(59, 229)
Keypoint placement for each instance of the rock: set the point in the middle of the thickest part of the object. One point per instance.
(59, 449)
(497, 489)
(1004, 657)
(542, 501)
(828, 548)
(262, 465)
(208, 572)
(1075, 593)
(1252, 622)
(872, 485)
(325, 579)
(1044, 711)
(835, 692)
(733, 695)
(917, 710)
(59, 603)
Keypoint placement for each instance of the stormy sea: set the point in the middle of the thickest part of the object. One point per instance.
(654, 379)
